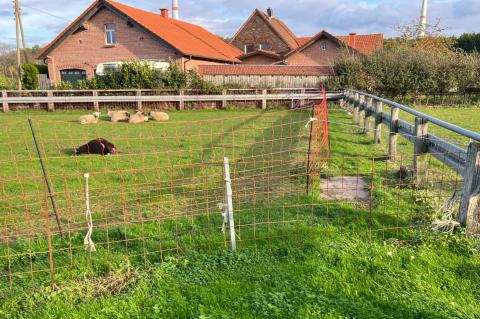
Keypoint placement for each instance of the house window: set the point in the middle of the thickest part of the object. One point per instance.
(110, 34)
(249, 48)
(265, 46)
(324, 46)
(73, 76)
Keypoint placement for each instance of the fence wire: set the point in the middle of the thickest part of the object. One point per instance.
(163, 193)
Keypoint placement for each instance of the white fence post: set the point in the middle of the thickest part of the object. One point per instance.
(229, 202)
(96, 105)
(5, 104)
(138, 93)
(264, 100)
(51, 105)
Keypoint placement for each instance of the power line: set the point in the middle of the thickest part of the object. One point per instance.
(47, 13)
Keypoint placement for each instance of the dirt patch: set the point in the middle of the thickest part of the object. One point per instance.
(348, 188)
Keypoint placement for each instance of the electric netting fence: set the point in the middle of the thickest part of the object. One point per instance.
(163, 193)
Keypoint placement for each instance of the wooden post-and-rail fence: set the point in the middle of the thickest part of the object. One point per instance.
(366, 107)
(94, 98)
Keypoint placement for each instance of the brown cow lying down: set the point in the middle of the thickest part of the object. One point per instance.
(98, 146)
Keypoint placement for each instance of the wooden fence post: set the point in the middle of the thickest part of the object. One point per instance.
(361, 113)
(5, 104)
(224, 102)
(96, 105)
(302, 101)
(264, 100)
(368, 115)
(51, 105)
(392, 142)
(420, 149)
(181, 104)
(378, 121)
(138, 93)
(469, 215)
(356, 107)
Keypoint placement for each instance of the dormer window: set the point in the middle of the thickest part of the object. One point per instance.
(265, 47)
(110, 34)
(324, 46)
(249, 48)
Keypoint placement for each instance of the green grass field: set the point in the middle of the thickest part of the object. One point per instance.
(160, 253)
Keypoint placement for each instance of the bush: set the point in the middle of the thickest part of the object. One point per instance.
(401, 70)
(42, 68)
(30, 77)
(141, 75)
(62, 86)
(6, 83)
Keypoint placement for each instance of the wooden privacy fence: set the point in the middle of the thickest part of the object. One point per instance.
(137, 97)
(366, 107)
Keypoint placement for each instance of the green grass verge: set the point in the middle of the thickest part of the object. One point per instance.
(322, 265)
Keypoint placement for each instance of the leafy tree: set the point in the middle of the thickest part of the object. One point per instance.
(469, 42)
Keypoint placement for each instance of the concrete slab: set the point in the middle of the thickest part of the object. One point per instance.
(349, 188)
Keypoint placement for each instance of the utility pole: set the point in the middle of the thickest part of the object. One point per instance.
(16, 7)
(423, 19)
(19, 35)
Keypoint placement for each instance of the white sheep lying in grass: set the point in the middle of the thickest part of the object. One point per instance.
(112, 113)
(90, 119)
(119, 116)
(138, 118)
(159, 116)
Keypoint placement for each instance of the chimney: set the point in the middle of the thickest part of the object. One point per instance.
(270, 12)
(352, 39)
(164, 13)
(175, 9)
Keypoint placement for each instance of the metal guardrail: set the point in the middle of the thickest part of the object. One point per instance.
(454, 128)
(464, 161)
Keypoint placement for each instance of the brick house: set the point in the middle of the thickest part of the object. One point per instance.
(264, 39)
(109, 32)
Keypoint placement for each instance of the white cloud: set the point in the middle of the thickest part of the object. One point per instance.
(224, 17)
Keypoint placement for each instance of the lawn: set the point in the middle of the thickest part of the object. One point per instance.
(160, 252)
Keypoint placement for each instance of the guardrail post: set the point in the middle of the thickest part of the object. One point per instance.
(356, 107)
(138, 93)
(420, 149)
(264, 100)
(51, 105)
(378, 121)
(5, 107)
(469, 215)
(224, 102)
(392, 140)
(181, 104)
(96, 105)
(368, 115)
(362, 111)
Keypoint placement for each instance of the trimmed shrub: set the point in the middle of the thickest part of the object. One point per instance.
(30, 77)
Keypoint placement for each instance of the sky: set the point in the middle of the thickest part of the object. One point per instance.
(43, 20)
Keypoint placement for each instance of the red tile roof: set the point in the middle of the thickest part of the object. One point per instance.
(282, 30)
(189, 39)
(302, 40)
(365, 43)
(301, 70)
(267, 53)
